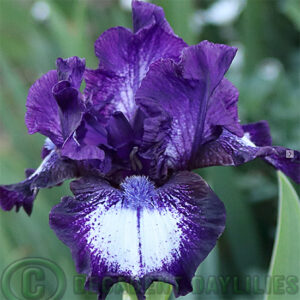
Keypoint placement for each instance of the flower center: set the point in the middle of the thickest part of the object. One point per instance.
(138, 191)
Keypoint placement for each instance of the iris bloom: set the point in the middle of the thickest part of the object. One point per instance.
(154, 110)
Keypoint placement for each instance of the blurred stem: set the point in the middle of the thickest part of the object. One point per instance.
(251, 36)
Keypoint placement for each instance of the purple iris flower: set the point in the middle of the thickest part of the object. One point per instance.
(154, 110)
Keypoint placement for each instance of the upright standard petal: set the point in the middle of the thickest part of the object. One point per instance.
(54, 105)
(125, 57)
(147, 14)
(70, 107)
(42, 111)
(153, 127)
(53, 171)
(184, 89)
(231, 150)
(222, 111)
(71, 69)
(172, 229)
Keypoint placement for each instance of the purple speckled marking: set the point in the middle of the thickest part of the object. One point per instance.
(152, 234)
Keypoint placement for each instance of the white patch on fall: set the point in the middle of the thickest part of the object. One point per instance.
(116, 238)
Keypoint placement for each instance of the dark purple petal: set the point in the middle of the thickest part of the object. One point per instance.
(165, 86)
(259, 133)
(71, 69)
(152, 127)
(86, 140)
(73, 150)
(42, 111)
(207, 62)
(70, 107)
(17, 195)
(147, 14)
(101, 87)
(125, 57)
(139, 233)
(53, 171)
(231, 150)
(228, 150)
(119, 131)
(184, 90)
(287, 161)
(56, 115)
(222, 110)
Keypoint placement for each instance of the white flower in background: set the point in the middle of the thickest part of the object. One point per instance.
(126, 4)
(40, 11)
(219, 13)
(224, 11)
(270, 69)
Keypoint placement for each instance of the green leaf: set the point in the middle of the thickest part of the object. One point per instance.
(285, 261)
(156, 291)
(159, 291)
(129, 292)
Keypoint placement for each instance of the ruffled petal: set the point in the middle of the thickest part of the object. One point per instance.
(100, 90)
(139, 233)
(71, 69)
(125, 57)
(86, 141)
(147, 14)
(184, 89)
(42, 110)
(53, 171)
(222, 111)
(153, 127)
(70, 107)
(231, 150)
(53, 103)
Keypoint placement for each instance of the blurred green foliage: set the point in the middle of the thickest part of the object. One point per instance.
(266, 71)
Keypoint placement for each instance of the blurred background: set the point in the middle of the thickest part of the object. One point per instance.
(266, 71)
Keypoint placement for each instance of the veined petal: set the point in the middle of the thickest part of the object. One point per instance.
(100, 90)
(42, 110)
(231, 150)
(71, 69)
(184, 90)
(153, 126)
(70, 107)
(222, 111)
(287, 161)
(85, 142)
(126, 57)
(147, 14)
(172, 229)
(284, 159)
(53, 102)
(52, 171)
